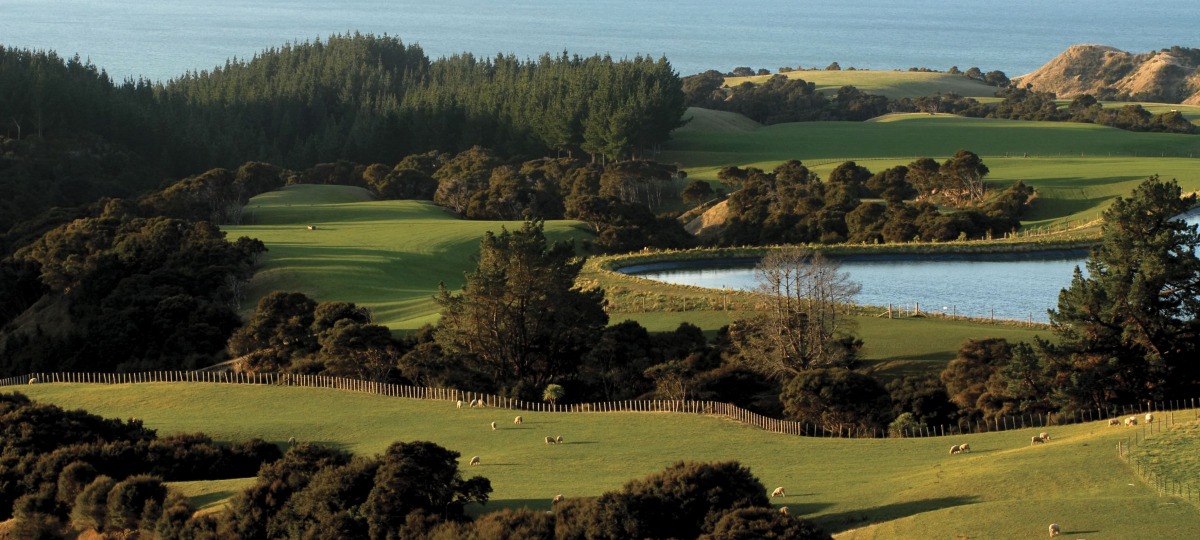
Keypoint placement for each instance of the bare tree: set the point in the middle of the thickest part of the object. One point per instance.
(801, 328)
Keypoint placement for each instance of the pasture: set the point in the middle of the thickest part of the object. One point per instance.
(893, 84)
(864, 488)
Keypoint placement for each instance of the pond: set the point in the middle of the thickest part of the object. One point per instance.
(1019, 286)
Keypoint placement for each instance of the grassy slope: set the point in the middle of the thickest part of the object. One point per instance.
(893, 84)
(387, 255)
(1077, 168)
(911, 488)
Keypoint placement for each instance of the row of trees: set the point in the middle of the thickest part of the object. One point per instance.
(791, 205)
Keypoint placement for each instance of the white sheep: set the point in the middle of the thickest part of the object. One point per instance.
(1045, 436)
(955, 449)
(518, 420)
(558, 439)
(312, 227)
(778, 492)
(1036, 439)
(493, 426)
(458, 404)
(1131, 421)
(558, 498)
(549, 440)
(473, 403)
(964, 447)
(1055, 530)
(474, 460)
(783, 510)
(1114, 421)
(1149, 417)
(33, 380)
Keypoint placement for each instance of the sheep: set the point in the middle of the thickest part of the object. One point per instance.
(475, 460)
(1131, 421)
(783, 510)
(1036, 439)
(1045, 436)
(518, 420)
(549, 440)
(1149, 417)
(778, 492)
(558, 439)
(964, 447)
(312, 227)
(458, 404)
(33, 380)
(291, 441)
(1114, 421)
(1055, 530)
(493, 426)
(558, 498)
(955, 449)
(473, 403)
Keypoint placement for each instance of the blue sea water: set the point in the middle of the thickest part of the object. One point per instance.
(162, 39)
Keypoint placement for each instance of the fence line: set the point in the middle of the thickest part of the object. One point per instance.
(1164, 486)
(479, 399)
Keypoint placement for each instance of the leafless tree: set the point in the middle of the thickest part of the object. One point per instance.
(802, 327)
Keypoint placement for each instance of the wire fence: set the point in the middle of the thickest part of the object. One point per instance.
(1165, 486)
(714, 408)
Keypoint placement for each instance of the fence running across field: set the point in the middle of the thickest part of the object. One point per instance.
(715, 408)
(1163, 485)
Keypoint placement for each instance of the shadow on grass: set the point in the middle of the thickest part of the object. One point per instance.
(835, 523)
(213, 499)
(801, 509)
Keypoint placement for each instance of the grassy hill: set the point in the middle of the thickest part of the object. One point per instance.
(1076, 168)
(387, 255)
(881, 488)
(893, 84)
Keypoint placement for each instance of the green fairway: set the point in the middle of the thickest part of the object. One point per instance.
(893, 84)
(385, 255)
(872, 488)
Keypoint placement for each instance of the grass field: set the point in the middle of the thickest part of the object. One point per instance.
(893, 84)
(387, 255)
(878, 488)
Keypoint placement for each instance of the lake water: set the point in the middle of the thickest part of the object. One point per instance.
(161, 39)
(1008, 286)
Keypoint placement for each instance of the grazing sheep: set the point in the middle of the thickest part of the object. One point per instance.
(783, 510)
(475, 460)
(518, 420)
(549, 440)
(458, 404)
(955, 449)
(1114, 421)
(473, 403)
(1036, 439)
(558, 498)
(1149, 417)
(964, 447)
(1045, 436)
(558, 439)
(1131, 421)
(33, 380)
(493, 426)
(291, 441)
(312, 227)
(1055, 530)
(778, 492)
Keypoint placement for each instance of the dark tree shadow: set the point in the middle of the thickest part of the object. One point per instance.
(835, 523)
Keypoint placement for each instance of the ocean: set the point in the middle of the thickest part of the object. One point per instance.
(162, 39)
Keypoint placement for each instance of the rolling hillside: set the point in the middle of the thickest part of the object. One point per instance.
(893, 84)
(866, 488)
(1170, 75)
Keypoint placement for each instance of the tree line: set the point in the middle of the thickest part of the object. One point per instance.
(357, 97)
(782, 99)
